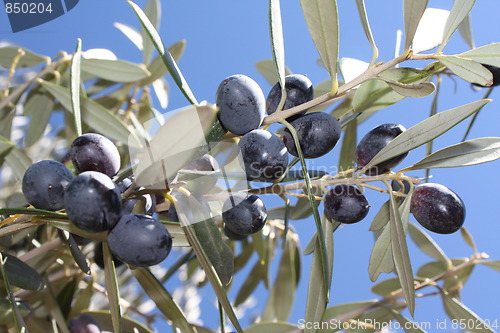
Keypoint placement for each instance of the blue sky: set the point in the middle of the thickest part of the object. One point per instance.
(228, 37)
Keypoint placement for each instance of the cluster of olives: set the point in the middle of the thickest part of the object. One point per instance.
(242, 108)
(264, 155)
(94, 204)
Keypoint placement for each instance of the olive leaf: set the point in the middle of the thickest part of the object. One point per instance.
(322, 20)
(413, 11)
(425, 131)
(74, 87)
(459, 11)
(466, 153)
(360, 4)
(165, 54)
(469, 70)
(115, 70)
(487, 54)
(427, 244)
(457, 310)
(131, 33)
(29, 59)
(401, 256)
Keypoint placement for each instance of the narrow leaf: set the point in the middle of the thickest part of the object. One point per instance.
(113, 290)
(74, 87)
(467, 237)
(469, 70)
(162, 299)
(157, 67)
(322, 20)
(16, 158)
(413, 11)
(131, 33)
(95, 115)
(316, 299)
(495, 264)
(209, 271)
(401, 256)
(382, 218)
(20, 274)
(381, 260)
(360, 4)
(471, 321)
(488, 54)
(466, 153)
(426, 131)
(152, 10)
(39, 107)
(29, 59)
(252, 281)
(277, 43)
(385, 287)
(282, 297)
(459, 11)
(417, 90)
(77, 254)
(166, 56)
(314, 206)
(18, 319)
(218, 252)
(465, 30)
(115, 70)
(347, 153)
(427, 244)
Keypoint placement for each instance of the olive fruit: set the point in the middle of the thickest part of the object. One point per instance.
(232, 235)
(94, 152)
(84, 324)
(264, 155)
(299, 90)
(244, 214)
(318, 133)
(396, 186)
(92, 201)
(44, 183)
(241, 104)
(373, 142)
(437, 208)
(139, 240)
(346, 204)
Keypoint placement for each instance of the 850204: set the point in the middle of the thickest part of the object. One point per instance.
(28, 8)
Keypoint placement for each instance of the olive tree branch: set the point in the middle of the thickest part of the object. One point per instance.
(371, 73)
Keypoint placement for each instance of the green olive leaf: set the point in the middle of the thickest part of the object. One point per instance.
(466, 153)
(463, 314)
(413, 11)
(322, 20)
(469, 70)
(459, 11)
(427, 244)
(360, 4)
(487, 54)
(425, 131)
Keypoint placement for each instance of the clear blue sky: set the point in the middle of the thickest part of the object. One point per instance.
(227, 37)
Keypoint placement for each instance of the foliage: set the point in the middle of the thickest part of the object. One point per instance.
(46, 279)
